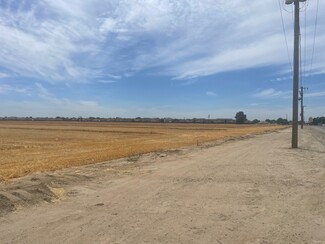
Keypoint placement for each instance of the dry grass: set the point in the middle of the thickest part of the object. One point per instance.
(28, 147)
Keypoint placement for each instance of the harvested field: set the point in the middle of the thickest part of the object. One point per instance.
(28, 147)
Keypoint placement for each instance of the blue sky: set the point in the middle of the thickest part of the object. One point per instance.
(156, 58)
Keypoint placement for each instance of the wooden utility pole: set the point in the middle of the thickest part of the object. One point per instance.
(295, 97)
(302, 107)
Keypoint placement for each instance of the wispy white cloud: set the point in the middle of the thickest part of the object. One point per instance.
(234, 59)
(46, 95)
(67, 108)
(88, 103)
(283, 78)
(54, 102)
(315, 94)
(45, 47)
(254, 104)
(211, 94)
(272, 93)
(106, 81)
(43, 91)
(4, 75)
(5, 88)
(78, 41)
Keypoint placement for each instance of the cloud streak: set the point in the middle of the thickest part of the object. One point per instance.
(316, 94)
(4, 75)
(271, 93)
(77, 41)
(211, 94)
(5, 88)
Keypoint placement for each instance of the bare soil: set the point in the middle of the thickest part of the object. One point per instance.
(248, 190)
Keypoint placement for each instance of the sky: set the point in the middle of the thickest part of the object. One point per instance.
(157, 58)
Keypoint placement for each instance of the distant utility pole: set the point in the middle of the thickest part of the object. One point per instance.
(302, 106)
(294, 142)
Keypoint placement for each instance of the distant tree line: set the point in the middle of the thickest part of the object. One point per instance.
(241, 118)
(318, 121)
(279, 121)
(118, 119)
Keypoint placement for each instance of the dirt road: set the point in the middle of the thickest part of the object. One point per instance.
(318, 132)
(255, 190)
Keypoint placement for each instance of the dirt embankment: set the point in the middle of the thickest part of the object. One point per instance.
(256, 190)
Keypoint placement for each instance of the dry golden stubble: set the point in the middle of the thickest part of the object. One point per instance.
(32, 146)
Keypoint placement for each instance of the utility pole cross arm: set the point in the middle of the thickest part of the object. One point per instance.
(292, 1)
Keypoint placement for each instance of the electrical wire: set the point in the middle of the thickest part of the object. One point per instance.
(303, 50)
(283, 7)
(315, 30)
(304, 6)
(300, 62)
(285, 35)
(305, 41)
(303, 77)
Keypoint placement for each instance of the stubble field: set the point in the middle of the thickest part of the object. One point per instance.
(28, 147)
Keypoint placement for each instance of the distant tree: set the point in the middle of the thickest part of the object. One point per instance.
(319, 121)
(256, 121)
(240, 117)
(281, 121)
(270, 121)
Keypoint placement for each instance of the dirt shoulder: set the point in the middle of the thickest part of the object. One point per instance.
(256, 190)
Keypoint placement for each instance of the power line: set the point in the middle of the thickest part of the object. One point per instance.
(305, 43)
(285, 35)
(313, 50)
(300, 62)
(304, 7)
(302, 69)
(290, 12)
